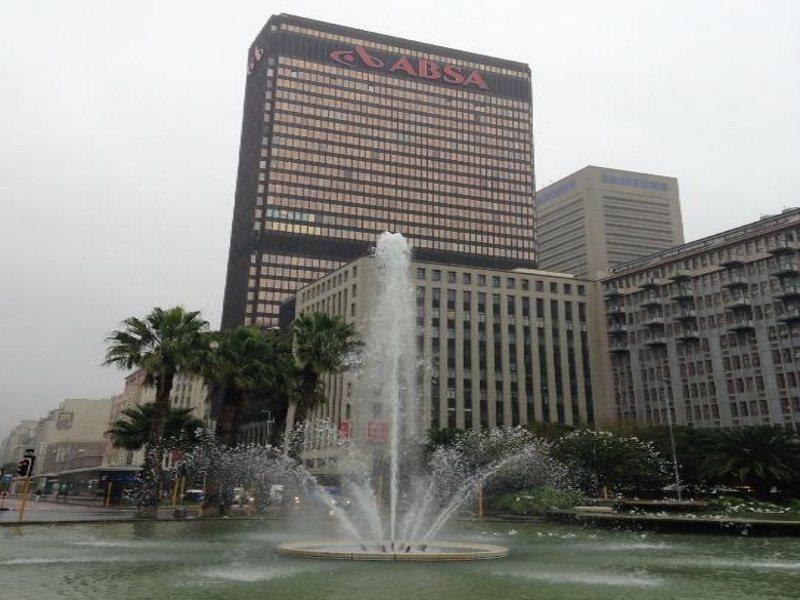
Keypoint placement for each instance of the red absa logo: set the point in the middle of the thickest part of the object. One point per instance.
(348, 57)
(424, 68)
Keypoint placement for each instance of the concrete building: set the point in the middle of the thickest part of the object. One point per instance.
(72, 436)
(20, 438)
(188, 391)
(506, 347)
(599, 218)
(133, 394)
(347, 133)
(714, 323)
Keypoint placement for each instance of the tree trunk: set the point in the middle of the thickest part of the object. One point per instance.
(291, 411)
(152, 476)
(230, 417)
(309, 380)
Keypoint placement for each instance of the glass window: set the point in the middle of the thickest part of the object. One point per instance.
(466, 278)
(420, 273)
(437, 275)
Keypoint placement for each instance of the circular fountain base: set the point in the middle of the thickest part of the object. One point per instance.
(435, 552)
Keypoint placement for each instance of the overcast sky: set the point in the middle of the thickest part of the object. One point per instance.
(119, 134)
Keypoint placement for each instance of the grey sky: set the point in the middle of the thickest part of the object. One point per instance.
(119, 129)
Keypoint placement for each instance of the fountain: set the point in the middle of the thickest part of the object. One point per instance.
(423, 495)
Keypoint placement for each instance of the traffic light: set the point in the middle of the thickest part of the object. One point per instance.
(24, 467)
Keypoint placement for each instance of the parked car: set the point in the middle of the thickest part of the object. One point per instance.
(194, 496)
(240, 497)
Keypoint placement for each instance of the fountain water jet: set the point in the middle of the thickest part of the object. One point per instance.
(386, 386)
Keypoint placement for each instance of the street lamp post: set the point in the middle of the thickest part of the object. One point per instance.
(668, 402)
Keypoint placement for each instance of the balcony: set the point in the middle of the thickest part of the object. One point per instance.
(653, 321)
(650, 285)
(618, 347)
(734, 280)
(612, 294)
(688, 334)
(650, 301)
(790, 291)
(615, 309)
(680, 277)
(742, 324)
(784, 265)
(682, 293)
(618, 328)
(790, 315)
(737, 302)
(732, 263)
(687, 314)
(784, 247)
(656, 340)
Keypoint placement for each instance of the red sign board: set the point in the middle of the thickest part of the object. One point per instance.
(419, 68)
(345, 429)
(378, 432)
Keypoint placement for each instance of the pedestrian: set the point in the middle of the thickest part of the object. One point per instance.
(37, 495)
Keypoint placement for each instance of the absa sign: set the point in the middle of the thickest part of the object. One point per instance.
(420, 68)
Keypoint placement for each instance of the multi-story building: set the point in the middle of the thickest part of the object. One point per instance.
(188, 391)
(348, 133)
(19, 439)
(505, 347)
(72, 435)
(713, 326)
(599, 218)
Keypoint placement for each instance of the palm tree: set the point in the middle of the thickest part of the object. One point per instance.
(760, 456)
(132, 430)
(165, 342)
(245, 360)
(321, 344)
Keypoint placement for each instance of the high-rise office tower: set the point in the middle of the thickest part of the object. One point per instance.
(348, 133)
(598, 218)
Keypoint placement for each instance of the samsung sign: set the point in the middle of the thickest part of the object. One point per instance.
(554, 191)
(641, 184)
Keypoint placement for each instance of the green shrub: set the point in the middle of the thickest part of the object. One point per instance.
(732, 505)
(536, 501)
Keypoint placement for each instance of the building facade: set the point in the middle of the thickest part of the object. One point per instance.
(501, 347)
(711, 328)
(599, 218)
(19, 439)
(188, 391)
(348, 133)
(72, 436)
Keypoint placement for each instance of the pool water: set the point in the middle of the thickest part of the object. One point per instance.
(237, 559)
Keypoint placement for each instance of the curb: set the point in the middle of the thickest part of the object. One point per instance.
(134, 520)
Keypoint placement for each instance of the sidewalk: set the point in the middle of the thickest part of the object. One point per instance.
(52, 512)
(46, 512)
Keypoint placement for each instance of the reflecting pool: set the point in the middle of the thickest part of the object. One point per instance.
(238, 559)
